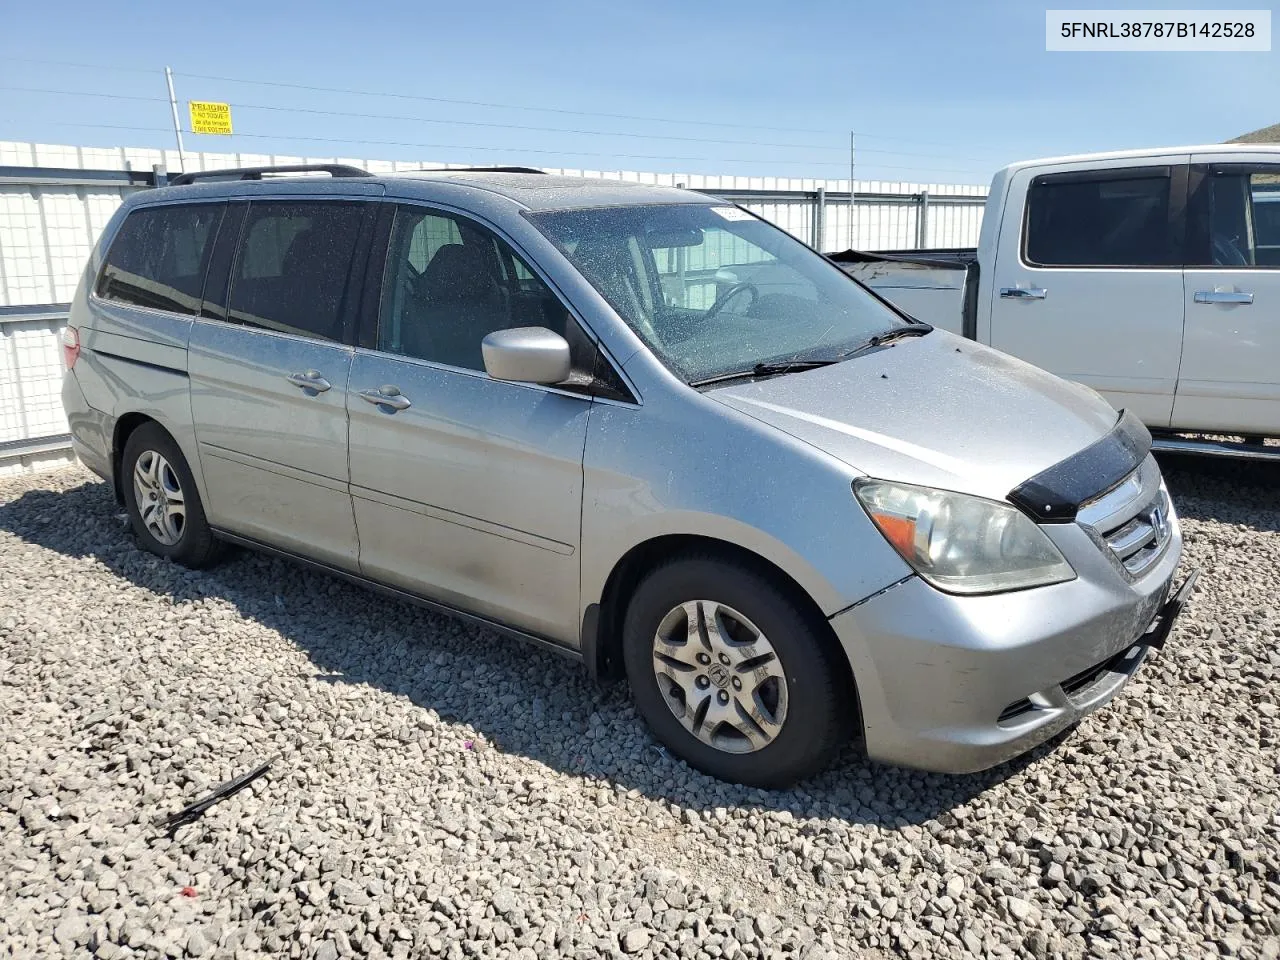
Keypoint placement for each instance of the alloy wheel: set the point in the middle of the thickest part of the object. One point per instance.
(160, 498)
(720, 676)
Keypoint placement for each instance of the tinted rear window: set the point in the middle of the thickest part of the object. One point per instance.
(293, 266)
(159, 257)
(1103, 222)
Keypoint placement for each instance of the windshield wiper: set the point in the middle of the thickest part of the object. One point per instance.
(897, 333)
(791, 366)
(769, 369)
(775, 367)
(889, 336)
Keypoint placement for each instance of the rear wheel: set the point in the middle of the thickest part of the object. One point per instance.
(162, 501)
(732, 676)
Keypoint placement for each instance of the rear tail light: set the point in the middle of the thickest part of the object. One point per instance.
(70, 346)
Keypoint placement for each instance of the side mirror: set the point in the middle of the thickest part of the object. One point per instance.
(526, 355)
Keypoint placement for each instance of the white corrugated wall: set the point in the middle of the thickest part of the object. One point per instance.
(31, 379)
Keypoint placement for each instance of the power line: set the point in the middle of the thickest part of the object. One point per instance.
(150, 71)
(86, 93)
(507, 150)
(579, 113)
(416, 119)
(502, 106)
(500, 126)
(493, 105)
(409, 96)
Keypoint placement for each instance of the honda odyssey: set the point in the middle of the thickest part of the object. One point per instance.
(641, 427)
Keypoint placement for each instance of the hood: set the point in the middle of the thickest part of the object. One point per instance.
(936, 410)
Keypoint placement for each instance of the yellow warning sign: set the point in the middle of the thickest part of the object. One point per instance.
(207, 117)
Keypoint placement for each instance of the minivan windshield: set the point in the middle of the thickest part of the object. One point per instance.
(714, 291)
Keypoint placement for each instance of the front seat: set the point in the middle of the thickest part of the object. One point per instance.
(606, 263)
(461, 302)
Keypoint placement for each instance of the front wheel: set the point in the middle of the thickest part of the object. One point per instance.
(732, 676)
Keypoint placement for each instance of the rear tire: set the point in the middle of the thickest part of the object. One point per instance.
(732, 676)
(162, 501)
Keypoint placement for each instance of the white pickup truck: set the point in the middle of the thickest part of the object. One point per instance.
(1152, 276)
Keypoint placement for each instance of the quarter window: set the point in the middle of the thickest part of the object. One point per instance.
(159, 257)
(293, 269)
(1116, 221)
(449, 282)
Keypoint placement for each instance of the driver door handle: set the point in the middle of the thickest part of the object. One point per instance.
(311, 380)
(1223, 296)
(386, 396)
(1023, 293)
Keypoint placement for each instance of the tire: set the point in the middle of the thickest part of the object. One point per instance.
(170, 521)
(802, 724)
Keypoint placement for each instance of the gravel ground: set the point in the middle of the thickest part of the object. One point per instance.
(442, 791)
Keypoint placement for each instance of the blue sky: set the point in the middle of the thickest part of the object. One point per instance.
(937, 91)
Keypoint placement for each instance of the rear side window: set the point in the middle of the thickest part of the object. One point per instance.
(159, 257)
(1116, 221)
(294, 266)
(1244, 217)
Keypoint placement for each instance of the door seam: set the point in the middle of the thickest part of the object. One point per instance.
(1184, 257)
(582, 506)
(351, 500)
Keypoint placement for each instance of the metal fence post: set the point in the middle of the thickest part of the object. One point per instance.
(177, 126)
(922, 219)
(853, 195)
(820, 219)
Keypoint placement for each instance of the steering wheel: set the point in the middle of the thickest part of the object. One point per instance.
(1227, 252)
(729, 294)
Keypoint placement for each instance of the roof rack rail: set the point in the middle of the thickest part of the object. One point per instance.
(256, 173)
(478, 170)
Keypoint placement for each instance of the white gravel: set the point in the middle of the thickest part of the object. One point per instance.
(442, 791)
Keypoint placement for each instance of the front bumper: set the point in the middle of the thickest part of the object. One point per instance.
(957, 684)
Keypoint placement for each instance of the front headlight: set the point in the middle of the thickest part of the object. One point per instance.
(963, 544)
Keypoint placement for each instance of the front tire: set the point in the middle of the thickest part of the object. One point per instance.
(162, 501)
(732, 676)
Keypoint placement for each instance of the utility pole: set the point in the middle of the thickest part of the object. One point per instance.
(853, 206)
(177, 126)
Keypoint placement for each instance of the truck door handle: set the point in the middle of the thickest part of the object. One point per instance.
(311, 380)
(1223, 296)
(386, 396)
(1023, 293)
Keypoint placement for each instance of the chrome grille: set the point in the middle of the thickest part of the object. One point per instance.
(1141, 541)
(1134, 521)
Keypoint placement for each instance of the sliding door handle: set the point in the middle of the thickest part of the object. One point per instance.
(1023, 293)
(311, 380)
(1222, 296)
(386, 396)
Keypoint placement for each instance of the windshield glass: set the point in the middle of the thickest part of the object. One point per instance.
(712, 290)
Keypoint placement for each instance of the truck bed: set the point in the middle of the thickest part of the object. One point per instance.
(939, 286)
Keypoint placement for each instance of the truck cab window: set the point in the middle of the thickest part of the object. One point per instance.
(1099, 222)
(1244, 218)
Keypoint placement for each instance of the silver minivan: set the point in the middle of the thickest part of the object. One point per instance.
(641, 427)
